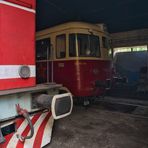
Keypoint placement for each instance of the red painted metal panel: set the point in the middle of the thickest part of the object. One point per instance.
(17, 42)
(17, 33)
(25, 3)
(16, 83)
(79, 76)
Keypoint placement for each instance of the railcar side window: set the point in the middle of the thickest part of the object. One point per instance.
(88, 45)
(95, 46)
(83, 45)
(42, 57)
(42, 48)
(61, 46)
(72, 45)
(105, 42)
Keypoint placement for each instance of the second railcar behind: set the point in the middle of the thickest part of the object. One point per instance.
(75, 54)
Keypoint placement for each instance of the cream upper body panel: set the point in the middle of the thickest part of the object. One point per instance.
(75, 26)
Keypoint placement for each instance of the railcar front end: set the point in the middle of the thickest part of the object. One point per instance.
(77, 53)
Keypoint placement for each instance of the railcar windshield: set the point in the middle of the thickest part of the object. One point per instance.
(84, 45)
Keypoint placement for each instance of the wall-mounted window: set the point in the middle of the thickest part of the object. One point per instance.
(61, 46)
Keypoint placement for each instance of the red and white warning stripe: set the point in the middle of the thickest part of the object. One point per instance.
(47, 132)
(42, 123)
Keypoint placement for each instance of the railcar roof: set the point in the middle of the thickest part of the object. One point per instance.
(73, 25)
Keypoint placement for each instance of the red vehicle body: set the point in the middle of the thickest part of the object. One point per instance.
(27, 110)
(15, 41)
(65, 47)
(81, 76)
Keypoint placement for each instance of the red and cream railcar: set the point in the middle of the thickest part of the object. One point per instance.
(27, 110)
(78, 56)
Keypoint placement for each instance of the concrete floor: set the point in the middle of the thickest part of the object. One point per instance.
(99, 128)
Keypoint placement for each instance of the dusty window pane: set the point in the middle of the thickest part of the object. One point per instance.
(88, 45)
(42, 48)
(94, 46)
(105, 42)
(83, 45)
(61, 46)
(42, 57)
(72, 45)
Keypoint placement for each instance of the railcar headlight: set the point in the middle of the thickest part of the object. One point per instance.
(24, 72)
(62, 105)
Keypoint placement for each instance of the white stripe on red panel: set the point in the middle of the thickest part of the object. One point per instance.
(12, 71)
(17, 6)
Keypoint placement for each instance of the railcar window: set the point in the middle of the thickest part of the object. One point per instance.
(95, 46)
(88, 45)
(105, 42)
(42, 48)
(42, 57)
(83, 45)
(72, 45)
(61, 46)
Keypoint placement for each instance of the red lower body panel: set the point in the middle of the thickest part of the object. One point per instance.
(16, 83)
(79, 76)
